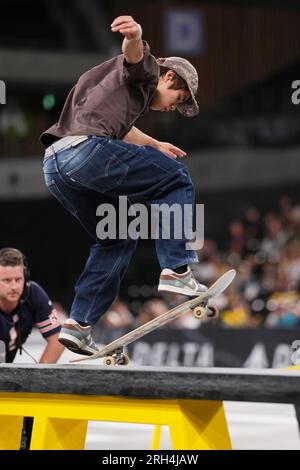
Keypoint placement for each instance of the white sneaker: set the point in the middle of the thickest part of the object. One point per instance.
(77, 338)
(184, 283)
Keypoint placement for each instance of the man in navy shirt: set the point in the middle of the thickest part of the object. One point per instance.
(23, 305)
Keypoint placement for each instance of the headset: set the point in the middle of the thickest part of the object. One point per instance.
(26, 290)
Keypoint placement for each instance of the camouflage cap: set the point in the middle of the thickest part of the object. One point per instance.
(189, 74)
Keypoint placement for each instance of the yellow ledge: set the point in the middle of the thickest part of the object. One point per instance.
(60, 421)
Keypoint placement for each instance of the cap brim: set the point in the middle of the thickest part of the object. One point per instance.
(189, 109)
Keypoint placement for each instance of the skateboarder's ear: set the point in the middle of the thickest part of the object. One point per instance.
(177, 83)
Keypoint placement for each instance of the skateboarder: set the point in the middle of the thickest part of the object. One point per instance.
(95, 154)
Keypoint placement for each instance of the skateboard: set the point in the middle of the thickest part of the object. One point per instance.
(113, 352)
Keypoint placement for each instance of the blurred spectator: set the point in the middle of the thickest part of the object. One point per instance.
(275, 237)
(287, 213)
(207, 269)
(118, 316)
(284, 310)
(252, 223)
(237, 313)
(296, 212)
(237, 237)
(290, 261)
(151, 309)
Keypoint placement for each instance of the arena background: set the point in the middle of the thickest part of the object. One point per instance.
(243, 155)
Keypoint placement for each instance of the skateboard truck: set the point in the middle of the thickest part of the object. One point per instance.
(203, 310)
(116, 357)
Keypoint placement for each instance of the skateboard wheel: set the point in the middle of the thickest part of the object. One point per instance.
(109, 361)
(212, 312)
(199, 312)
(124, 360)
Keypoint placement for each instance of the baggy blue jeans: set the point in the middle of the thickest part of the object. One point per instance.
(97, 171)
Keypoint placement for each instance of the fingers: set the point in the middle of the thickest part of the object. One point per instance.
(170, 154)
(122, 19)
(171, 150)
(177, 151)
(127, 26)
(180, 153)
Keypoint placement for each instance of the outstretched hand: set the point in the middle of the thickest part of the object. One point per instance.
(127, 26)
(170, 150)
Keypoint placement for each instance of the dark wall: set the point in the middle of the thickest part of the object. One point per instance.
(52, 240)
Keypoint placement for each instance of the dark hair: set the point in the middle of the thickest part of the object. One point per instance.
(11, 257)
(178, 82)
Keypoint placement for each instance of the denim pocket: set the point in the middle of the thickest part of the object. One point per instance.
(102, 170)
(57, 193)
(72, 154)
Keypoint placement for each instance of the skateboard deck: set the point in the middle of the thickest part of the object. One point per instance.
(198, 304)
